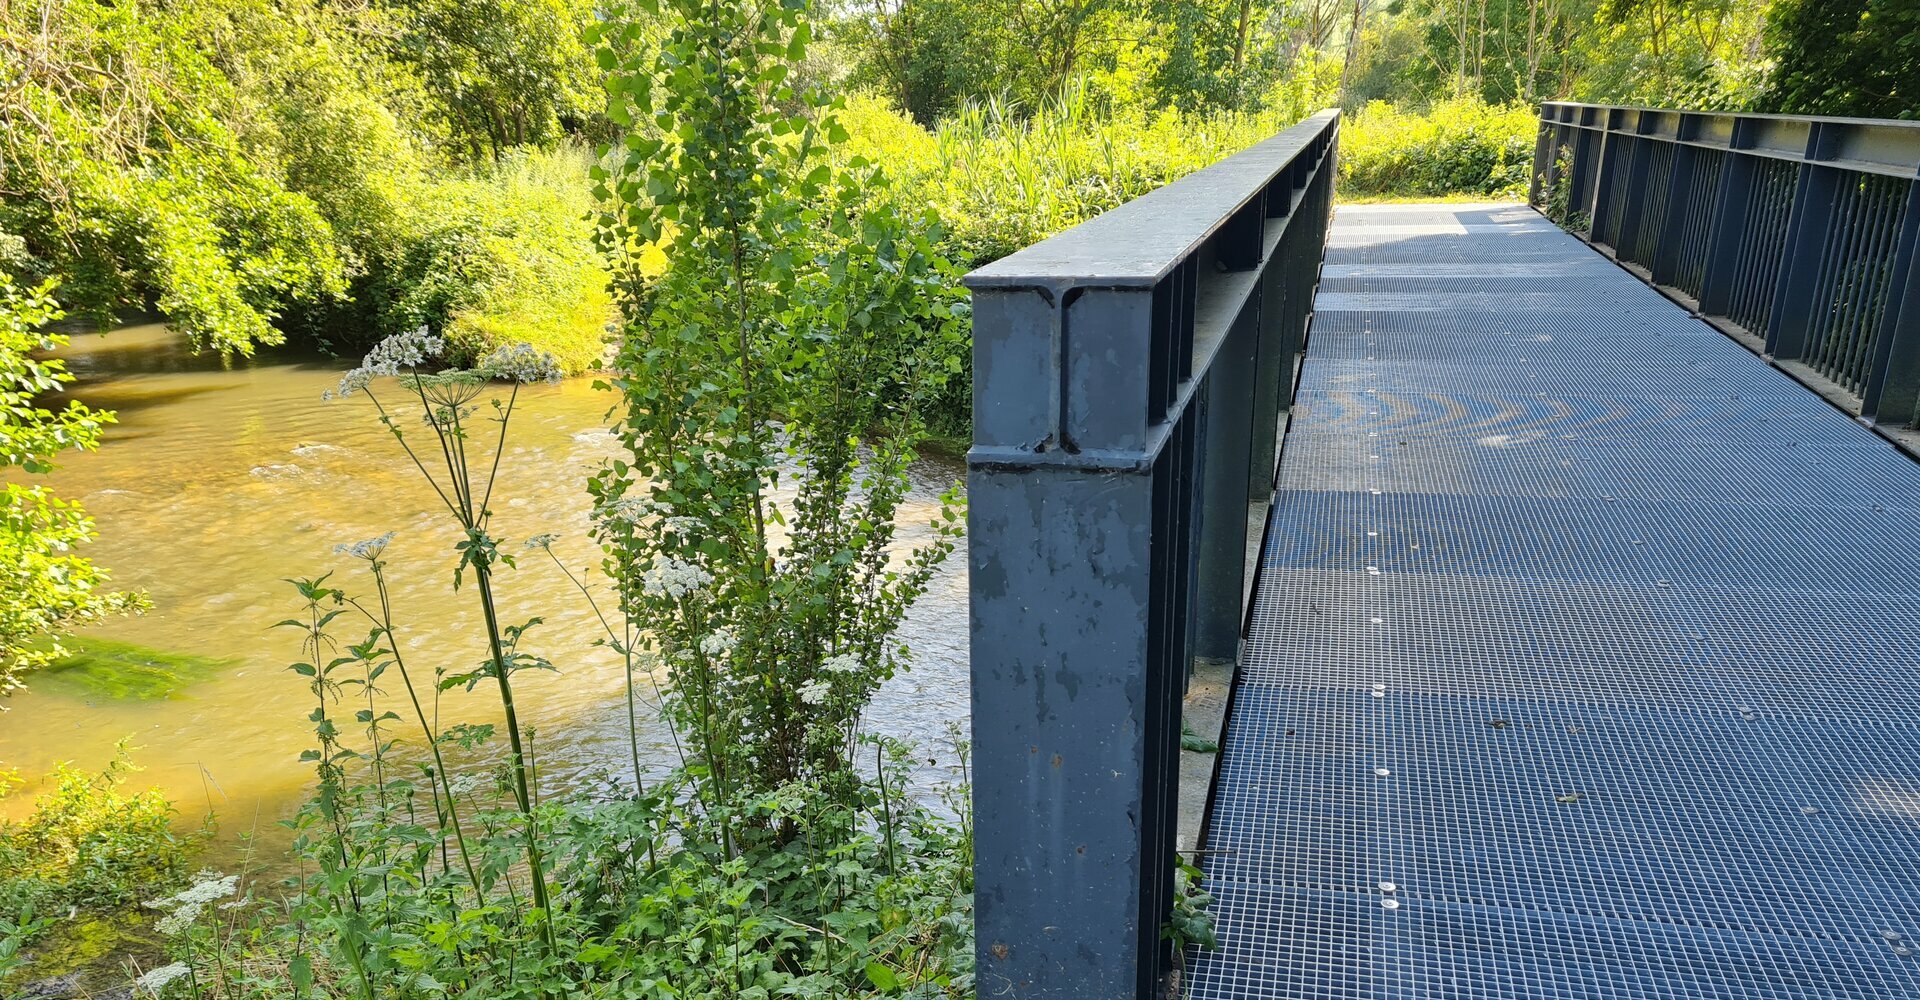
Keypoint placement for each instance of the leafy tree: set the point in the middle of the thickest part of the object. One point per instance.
(122, 177)
(1845, 57)
(503, 73)
(46, 590)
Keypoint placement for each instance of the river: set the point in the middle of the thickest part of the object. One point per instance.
(218, 482)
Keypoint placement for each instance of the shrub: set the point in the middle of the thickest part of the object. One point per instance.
(504, 255)
(1457, 147)
(88, 843)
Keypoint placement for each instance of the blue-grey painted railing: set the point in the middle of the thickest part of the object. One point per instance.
(1129, 376)
(1800, 233)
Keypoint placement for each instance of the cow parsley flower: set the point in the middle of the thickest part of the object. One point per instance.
(157, 980)
(674, 578)
(629, 510)
(719, 644)
(521, 363)
(388, 357)
(184, 907)
(815, 692)
(368, 550)
(542, 541)
(845, 663)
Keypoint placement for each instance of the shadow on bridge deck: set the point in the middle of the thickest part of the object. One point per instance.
(1583, 660)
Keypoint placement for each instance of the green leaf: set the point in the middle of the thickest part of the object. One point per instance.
(882, 977)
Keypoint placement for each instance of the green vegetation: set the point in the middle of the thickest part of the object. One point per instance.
(103, 668)
(46, 590)
(253, 167)
(88, 843)
(998, 180)
(86, 853)
(772, 375)
(1458, 147)
(1845, 57)
(498, 192)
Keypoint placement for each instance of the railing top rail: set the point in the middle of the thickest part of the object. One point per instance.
(1830, 119)
(1140, 242)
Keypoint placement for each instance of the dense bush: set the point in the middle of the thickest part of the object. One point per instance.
(274, 166)
(89, 843)
(502, 255)
(1457, 147)
(998, 180)
(1001, 180)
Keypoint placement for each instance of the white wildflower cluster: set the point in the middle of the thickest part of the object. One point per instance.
(155, 981)
(629, 510)
(684, 524)
(521, 363)
(674, 578)
(388, 357)
(368, 550)
(845, 663)
(542, 541)
(464, 784)
(815, 692)
(184, 907)
(720, 644)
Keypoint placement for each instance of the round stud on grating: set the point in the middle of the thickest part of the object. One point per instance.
(1374, 492)
(1389, 904)
(1893, 935)
(1389, 887)
(1379, 621)
(1373, 534)
(1663, 584)
(1381, 772)
(1810, 810)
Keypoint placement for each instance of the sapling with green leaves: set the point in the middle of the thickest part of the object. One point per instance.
(774, 377)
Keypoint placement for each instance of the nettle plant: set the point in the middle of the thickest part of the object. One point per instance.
(774, 375)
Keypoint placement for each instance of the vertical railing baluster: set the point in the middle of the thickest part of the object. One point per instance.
(1892, 392)
(1798, 231)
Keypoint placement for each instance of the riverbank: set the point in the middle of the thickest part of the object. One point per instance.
(218, 483)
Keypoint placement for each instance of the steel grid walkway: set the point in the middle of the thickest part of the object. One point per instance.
(1592, 634)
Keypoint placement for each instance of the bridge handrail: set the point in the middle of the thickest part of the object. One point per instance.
(1129, 377)
(1796, 234)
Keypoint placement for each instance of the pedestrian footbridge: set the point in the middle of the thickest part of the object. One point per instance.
(1568, 581)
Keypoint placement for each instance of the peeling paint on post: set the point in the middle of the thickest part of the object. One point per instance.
(1094, 489)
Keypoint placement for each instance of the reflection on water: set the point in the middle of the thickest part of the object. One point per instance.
(218, 483)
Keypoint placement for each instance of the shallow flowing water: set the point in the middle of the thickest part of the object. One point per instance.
(219, 483)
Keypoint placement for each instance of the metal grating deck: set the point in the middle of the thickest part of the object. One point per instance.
(1589, 631)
